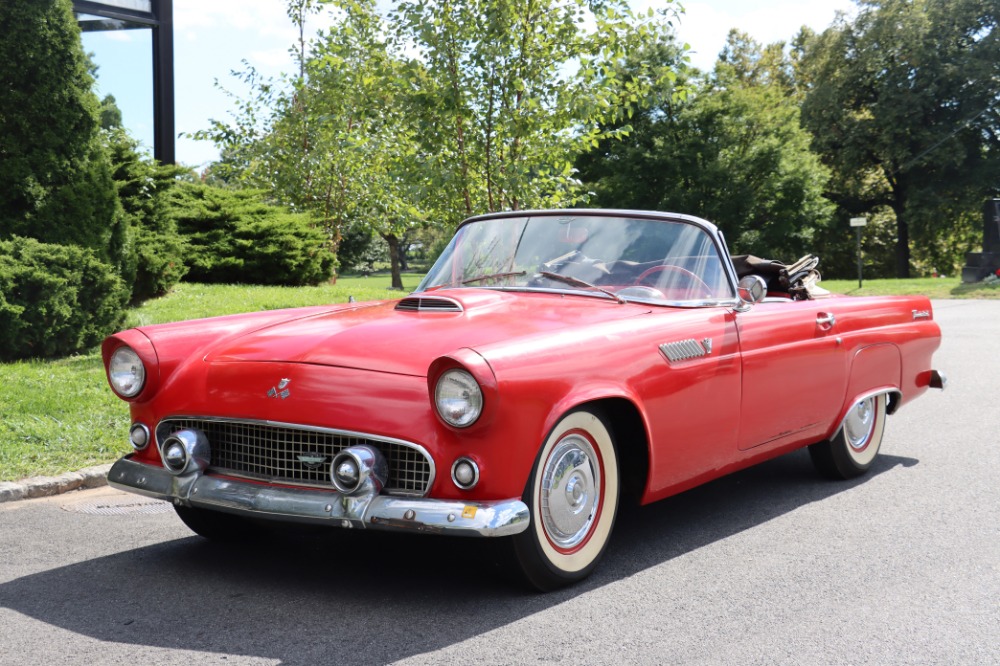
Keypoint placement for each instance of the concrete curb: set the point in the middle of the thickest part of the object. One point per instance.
(46, 486)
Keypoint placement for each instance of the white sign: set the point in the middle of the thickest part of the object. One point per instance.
(859, 221)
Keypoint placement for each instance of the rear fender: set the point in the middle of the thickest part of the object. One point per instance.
(875, 370)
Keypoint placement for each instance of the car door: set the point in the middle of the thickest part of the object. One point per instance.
(691, 393)
(795, 370)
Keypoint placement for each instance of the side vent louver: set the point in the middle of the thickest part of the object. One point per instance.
(428, 304)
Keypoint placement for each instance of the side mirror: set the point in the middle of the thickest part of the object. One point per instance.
(751, 290)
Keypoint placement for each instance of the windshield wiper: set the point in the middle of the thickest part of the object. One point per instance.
(480, 278)
(576, 282)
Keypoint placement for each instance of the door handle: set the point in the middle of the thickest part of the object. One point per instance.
(826, 320)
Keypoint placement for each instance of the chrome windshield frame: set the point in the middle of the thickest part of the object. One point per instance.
(713, 232)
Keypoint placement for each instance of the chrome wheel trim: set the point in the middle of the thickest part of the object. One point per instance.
(574, 561)
(860, 423)
(570, 492)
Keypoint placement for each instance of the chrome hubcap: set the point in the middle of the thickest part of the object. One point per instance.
(570, 492)
(859, 424)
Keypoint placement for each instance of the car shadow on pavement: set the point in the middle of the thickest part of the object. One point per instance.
(363, 598)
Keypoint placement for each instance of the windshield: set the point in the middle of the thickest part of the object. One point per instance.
(611, 257)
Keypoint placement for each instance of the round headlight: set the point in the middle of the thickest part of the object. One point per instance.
(126, 372)
(458, 398)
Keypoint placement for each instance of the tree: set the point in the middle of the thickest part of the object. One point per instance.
(732, 151)
(336, 139)
(55, 177)
(513, 90)
(903, 104)
(490, 113)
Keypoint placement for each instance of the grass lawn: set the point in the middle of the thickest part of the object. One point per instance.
(930, 287)
(60, 415)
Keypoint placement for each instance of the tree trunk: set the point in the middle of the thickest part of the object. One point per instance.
(393, 241)
(902, 246)
(902, 229)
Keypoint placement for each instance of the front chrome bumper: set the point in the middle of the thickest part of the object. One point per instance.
(485, 519)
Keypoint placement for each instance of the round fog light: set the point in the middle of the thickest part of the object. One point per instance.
(465, 473)
(138, 435)
(346, 474)
(174, 456)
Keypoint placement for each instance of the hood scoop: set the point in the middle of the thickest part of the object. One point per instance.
(429, 304)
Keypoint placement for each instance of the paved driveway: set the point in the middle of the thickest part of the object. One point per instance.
(771, 565)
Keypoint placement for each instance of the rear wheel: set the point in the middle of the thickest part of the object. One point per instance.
(851, 451)
(572, 494)
(215, 525)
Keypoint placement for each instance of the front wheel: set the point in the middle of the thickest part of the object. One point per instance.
(572, 494)
(851, 451)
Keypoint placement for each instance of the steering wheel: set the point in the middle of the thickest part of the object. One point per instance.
(666, 268)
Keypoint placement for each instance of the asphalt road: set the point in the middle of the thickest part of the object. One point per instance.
(769, 566)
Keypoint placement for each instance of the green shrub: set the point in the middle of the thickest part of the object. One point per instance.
(143, 186)
(234, 238)
(55, 175)
(55, 299)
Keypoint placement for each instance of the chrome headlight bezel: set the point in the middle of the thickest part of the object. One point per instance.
(126, 372)
(458, 398)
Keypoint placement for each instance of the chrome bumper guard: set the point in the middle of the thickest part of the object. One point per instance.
(485, 519)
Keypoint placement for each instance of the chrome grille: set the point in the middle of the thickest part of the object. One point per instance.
(298, 455)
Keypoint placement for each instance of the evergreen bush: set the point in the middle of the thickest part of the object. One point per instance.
(233, 237)
(55, 299)
(55, 176)
(142, 188)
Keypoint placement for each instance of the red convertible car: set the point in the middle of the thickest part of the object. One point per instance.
(551, 365)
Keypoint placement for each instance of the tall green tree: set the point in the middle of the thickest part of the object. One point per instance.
(55, 176)
(514, 90)
(731, 151)
(338, 137)
(903, 103)
(436, 111)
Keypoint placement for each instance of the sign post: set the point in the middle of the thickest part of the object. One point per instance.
(858, 222)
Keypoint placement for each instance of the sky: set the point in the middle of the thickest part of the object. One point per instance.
(211, 39)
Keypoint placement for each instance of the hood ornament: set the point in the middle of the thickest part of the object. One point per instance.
(280, 391)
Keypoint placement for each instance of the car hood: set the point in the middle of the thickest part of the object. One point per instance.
(384, 337)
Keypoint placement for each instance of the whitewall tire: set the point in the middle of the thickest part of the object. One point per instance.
(853, 449)
(573, 498)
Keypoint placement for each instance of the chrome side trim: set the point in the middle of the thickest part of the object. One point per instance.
(429, 304)
(494, 518)
(685, 350)
(892, 397)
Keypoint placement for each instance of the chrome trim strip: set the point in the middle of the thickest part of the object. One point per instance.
(892, 397)
(454, 517)
(693, 303)
(298, 426)
(418, 303)
(685, 350)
